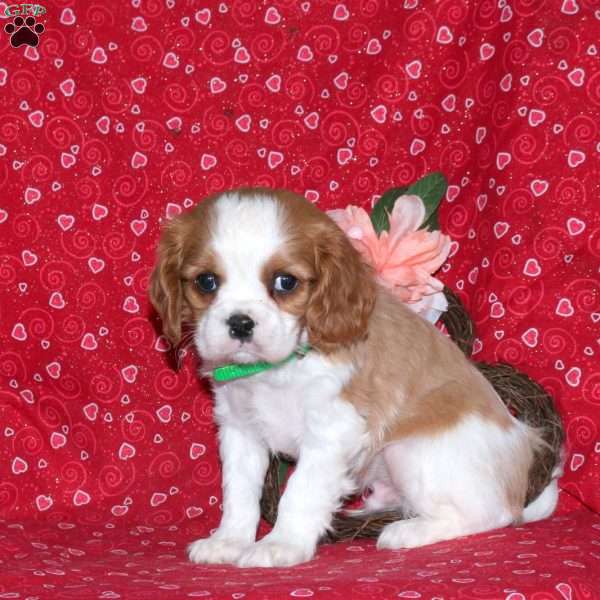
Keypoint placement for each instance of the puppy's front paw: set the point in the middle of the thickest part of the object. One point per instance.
(271, 553)
(216, 550)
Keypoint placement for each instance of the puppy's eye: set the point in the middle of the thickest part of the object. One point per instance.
(207, 283)
(284, 283)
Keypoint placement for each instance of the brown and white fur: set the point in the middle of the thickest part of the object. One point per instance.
(383, 401)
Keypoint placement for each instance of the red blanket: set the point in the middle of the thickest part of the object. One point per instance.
(127, 113)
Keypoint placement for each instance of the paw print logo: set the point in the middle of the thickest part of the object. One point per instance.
(24, 31)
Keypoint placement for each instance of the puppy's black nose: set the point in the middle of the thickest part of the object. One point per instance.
(240, 326)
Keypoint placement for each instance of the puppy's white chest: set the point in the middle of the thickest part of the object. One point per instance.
(279, 417)
(286, 405)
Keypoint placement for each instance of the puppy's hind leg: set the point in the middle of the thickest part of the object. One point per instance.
(465, 480)
(421, 531)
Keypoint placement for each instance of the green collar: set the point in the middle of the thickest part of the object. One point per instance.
(237, 371)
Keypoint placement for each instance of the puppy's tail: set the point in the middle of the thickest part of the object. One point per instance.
(543, 506)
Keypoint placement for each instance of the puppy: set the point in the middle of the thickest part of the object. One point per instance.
(376, 399)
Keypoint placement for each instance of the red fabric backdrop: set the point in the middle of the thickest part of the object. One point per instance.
(126, 113)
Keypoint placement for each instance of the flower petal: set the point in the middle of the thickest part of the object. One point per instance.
(355, 233)
(407, 215)
(425, 249)
(356, 224)
(430, 307)
(398, 276)
(350, 217)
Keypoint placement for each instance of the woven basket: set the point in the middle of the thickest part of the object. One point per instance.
(527, 400)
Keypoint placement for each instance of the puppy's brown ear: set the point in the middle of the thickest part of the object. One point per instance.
(166, 286)
(341, 303)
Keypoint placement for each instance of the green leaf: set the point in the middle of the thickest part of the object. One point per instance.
(431, 190)
(381, 210)
(433, 223)
(284, 467)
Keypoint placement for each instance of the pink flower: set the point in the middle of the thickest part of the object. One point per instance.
(403, 258)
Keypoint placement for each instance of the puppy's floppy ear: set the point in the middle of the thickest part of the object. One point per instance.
(341, 303)
(166, 286)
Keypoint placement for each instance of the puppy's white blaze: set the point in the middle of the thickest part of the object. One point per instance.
(246, 233)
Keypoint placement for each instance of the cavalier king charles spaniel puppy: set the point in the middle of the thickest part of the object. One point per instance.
(362, 392)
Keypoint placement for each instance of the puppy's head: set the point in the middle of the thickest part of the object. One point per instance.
(255, 273)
